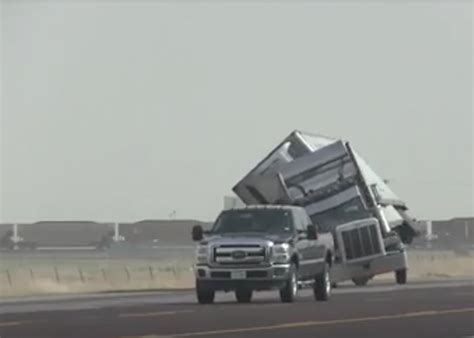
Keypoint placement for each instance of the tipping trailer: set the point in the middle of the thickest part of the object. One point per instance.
(342, 195)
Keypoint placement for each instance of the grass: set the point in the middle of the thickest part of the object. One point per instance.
(19, 276)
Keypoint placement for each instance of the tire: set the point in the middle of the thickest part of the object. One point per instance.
(322, 285)
(243, 295)
(401, 276)
(204, 295)
(289, 291)
(361, 281)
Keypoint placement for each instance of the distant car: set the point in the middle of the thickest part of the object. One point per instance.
(263, 248)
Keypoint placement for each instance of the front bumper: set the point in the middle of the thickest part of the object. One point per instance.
(392, 261)
(231, 278)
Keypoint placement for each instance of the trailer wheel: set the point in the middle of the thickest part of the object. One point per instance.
(401, 276)
(204, 295)
(361, 281)
(322, 285)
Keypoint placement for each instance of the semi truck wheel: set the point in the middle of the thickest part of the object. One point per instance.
(243, 295)
(401, 276)
(322, 285)
(204, 295)
(289, 291)
(361, 281)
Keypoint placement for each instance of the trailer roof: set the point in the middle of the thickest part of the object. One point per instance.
(268, 206)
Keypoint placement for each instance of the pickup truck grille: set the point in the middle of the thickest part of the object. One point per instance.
(361, 242)
(239, 255)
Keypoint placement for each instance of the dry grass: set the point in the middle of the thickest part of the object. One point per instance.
(79, 277)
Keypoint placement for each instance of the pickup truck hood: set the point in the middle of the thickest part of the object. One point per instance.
(247, 238)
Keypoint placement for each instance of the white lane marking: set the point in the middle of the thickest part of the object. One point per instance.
(327, 322)
(19, 322)
(153, 314)
(4, 324)
(94, 301)
(465, 294)
(151, 336)
(377, 300)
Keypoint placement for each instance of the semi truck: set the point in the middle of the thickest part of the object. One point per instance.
(343, 196)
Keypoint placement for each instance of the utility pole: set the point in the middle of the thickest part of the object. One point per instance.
(15, 238)
(466, 230)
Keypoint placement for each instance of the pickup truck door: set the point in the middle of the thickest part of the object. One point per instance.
(301, 244)
(317, 255)
(306, 249)
(315, 252)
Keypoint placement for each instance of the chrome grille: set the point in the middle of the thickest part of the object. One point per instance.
(361, 242)
(239, 255)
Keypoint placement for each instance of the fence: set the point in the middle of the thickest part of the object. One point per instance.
(24, 275)
(83, 277)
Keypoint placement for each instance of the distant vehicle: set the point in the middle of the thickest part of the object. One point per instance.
(344, 196)
(6, 241)
(263, 248)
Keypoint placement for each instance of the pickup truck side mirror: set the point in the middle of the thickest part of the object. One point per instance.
(312, 232)
(198, 233)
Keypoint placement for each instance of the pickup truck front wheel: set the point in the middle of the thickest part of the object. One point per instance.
(322, 285)
(289, 291)
(204, 295)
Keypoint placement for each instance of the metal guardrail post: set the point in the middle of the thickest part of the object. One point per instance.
(81, 275)
(127, 272)
(56, 273)
(150, 269)
(9, 278)
(32, 276)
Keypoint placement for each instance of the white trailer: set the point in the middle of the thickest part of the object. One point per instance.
(342, 195)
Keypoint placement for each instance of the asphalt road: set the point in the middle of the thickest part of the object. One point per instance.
(415, 310)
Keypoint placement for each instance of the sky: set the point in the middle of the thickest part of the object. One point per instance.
(128, 110)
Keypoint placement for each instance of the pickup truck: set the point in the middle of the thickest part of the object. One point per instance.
(262, 247)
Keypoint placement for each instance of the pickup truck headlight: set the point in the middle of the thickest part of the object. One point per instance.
(202, 252)
(280, 253)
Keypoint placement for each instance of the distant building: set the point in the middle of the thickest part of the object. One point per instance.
(456, 232)
(159, 232)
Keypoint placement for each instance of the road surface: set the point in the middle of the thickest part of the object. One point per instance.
(428, 309)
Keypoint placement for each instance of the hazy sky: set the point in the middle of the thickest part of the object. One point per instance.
(126, 110)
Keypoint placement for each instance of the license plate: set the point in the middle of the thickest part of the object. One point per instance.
(237, 274)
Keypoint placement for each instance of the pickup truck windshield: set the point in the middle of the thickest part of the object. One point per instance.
(258, 220)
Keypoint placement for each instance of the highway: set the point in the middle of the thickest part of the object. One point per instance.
(424, 309)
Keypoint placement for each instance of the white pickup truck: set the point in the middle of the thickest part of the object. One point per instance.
(342, 195)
